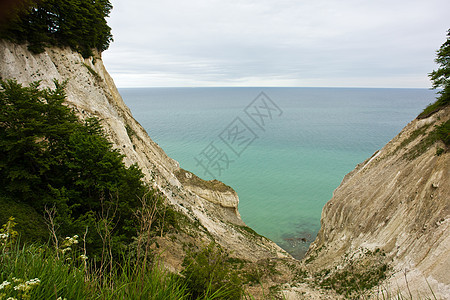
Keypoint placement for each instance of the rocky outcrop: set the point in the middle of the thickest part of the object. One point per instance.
(398, 201)
(92, 92)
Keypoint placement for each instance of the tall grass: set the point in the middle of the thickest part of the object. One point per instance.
(57, 277)
(59, 274)
(65, 278)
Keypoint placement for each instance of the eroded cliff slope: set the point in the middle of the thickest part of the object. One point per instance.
(210, 207)
(397, 205)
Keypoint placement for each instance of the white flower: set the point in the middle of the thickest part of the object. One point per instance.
(17, 280)
(21, 287)
(34, 281)
(11, 298)
(4, 284)
(4, 236)
(83, 257)
(66, 249)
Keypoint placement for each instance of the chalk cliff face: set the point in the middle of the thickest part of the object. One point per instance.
(397, 201)
(91, 92)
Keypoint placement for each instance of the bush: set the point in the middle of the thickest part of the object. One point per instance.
(50, 159)
(30, 224)
(209, 274)
(79, 24)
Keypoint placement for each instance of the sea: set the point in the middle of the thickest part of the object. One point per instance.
(284, 150)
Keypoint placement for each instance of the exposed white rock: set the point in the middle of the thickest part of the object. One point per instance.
(400, 205)
(92, 92)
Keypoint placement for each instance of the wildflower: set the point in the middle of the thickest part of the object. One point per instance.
(66, 249)
(69, 241)
(11, 298)
(4, 236)
(21, 287)
(60, 298)
(4, 284)
(34, 281)
(83, 257)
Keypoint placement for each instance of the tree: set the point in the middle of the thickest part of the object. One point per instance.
(441, 76)
(49, 158)
(440, 79)
(79, 24)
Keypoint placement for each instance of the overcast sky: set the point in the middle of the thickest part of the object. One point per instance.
(315, 43)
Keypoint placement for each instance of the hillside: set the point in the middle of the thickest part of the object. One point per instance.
(91, 92)
(392, 212)
(389, 217)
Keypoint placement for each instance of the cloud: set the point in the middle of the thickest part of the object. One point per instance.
(275, 43)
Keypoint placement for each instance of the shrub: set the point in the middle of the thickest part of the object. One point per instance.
(79, 24)
(209, 274)
(50, 159)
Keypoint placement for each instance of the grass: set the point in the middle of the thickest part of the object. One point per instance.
(432, 108)
(439, 133)
(189, 178)
(414, 135)
(57, 278)
(93, 72)
(65, 272)
(357, 275)
(67, 277)
(130, 131)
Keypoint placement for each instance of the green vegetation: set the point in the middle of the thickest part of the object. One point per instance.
(78, 24)
(439, 133)
(55, 166)
(314, 254)
(41, 272)
(93, 72)
(209, 272)
(441, 79)
(357, 275)
(189, 178)
(60, 175)
(414, 135)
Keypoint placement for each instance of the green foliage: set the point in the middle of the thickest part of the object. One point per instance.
(439, 133)
(348, 281)
(440, 79)
(66, 277)
(57, 278)
(208, 273)
(93, 72)
(41, 272)
(414, 135)
(48, 158)
(357, 276)
(442, 133)
(30, 224)
(79, 24)
(8, 235)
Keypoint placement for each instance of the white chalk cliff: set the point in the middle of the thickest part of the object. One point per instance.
(397, 201)
(92, 92)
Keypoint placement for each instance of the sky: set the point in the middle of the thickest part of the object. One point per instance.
(286, 43)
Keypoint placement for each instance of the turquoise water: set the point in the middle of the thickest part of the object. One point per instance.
(286, 168)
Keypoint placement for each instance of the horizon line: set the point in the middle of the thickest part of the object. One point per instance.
(307, 87)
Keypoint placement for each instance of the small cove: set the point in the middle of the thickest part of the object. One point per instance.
(286, 170)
